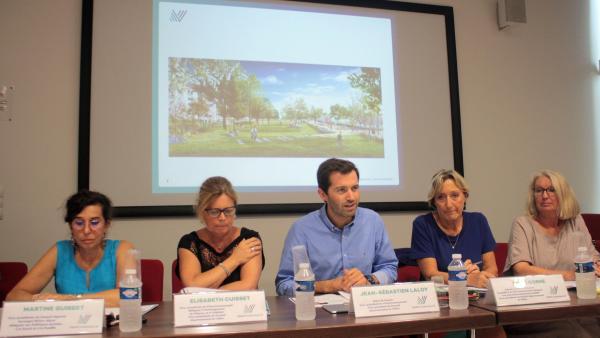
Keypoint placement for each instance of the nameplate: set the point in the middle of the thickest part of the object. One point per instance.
(526, 290)
(206, 308)
(52, 317)
(401, 298)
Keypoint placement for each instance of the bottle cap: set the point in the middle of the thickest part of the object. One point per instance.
(582, 249)
(456, 256)
(130, 271)
(303, 266)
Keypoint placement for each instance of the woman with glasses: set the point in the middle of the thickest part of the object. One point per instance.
(88, 265)
(545, 241)
(219, 255)
(448, 229)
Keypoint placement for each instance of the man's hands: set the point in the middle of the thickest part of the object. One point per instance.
(351, 277)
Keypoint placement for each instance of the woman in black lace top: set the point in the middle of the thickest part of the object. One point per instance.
(219, 255)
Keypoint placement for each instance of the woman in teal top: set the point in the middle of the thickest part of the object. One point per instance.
(88, 265)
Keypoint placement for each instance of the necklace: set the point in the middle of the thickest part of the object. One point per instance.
(455, 241)
(437, 221)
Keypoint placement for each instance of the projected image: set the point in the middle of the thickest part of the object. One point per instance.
(224, 108)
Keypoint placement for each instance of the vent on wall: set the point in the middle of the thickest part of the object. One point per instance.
(511, 11)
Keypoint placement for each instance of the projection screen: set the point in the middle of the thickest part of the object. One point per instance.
(262, 92)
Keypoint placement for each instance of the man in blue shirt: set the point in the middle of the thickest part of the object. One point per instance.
(346, 245)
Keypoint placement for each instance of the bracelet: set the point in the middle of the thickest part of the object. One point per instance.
(225, 269)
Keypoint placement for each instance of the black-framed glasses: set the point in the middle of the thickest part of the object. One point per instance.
(216, 212)
(540, 191)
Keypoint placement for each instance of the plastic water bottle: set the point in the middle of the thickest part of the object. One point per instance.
(458, 298)
(585, 276)
(305, 293)
(130, 293)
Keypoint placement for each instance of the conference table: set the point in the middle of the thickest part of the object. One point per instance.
(282, 323)
(532, 313)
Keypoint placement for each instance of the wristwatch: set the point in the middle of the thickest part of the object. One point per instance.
(371, 279)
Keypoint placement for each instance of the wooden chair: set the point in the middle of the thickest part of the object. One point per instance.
(152, 279)
(10, 274)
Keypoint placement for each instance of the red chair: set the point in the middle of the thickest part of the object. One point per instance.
(408, 270)
(10, 274)
(409, 273)
(152, 279)
(501, 252)
(176, 283)
(592, 221)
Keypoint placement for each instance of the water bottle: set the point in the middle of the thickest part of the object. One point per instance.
(305, 293)
(585, 276)
(458, 298)
(130, 294)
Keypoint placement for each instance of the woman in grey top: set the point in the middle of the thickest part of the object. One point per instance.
(545, 242)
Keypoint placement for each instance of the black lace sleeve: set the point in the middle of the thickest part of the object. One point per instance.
(188, 242)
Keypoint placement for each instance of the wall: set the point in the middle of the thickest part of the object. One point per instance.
(526, 97)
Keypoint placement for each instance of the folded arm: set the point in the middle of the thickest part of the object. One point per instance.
(247, 252)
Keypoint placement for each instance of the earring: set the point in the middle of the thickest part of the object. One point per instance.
(73, 243)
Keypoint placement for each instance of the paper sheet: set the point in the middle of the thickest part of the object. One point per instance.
(328, 298)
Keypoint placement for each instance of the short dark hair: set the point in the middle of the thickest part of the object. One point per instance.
(84, 198)
(330, 166)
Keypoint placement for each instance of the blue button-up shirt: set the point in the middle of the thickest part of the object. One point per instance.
(362, 244)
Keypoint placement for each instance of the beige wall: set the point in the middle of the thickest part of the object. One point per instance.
(526, 99)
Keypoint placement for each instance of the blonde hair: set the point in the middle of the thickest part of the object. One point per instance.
(437, 181)
(212, 188)
(568, 207)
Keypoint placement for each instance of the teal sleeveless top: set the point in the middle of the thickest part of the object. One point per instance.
(69, 278)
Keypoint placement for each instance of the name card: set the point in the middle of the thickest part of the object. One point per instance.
(401, 298)
(526, 290)
(206, 308)
(52, 317)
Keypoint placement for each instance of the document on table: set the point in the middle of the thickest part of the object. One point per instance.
(193, 289)
(444, 288)
(328, 298)
(115, 310)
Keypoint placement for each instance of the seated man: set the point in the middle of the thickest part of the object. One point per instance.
(346, 245)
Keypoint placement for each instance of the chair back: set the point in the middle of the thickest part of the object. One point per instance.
(10, 274)
(176, 283)
(409, 273)
(501, 252)
(152, 279)
(408, 269)
(592, 221)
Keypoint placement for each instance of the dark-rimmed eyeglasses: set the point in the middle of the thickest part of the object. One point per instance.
(216, 212)
(540, 191)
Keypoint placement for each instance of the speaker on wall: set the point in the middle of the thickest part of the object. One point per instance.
(511, 11)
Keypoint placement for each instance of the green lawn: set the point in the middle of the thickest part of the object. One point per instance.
(283, 141)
